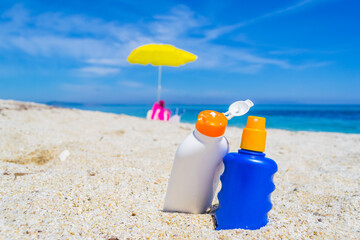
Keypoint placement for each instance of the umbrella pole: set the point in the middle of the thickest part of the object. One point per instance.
(159, 84)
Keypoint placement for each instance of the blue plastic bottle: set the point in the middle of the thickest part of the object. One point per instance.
(247, 182)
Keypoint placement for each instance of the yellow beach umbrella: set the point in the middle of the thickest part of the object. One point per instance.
(160, 55)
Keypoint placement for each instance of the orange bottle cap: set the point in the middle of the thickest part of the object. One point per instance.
(211, 123)
(254, 134)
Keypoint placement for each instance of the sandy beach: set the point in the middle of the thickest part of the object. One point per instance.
(71, 174)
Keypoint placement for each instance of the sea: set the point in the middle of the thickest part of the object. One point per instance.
(293, 117)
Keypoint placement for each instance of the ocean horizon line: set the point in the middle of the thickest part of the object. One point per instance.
(344, 118)
(190, 104)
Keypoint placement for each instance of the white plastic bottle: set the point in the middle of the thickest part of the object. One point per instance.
(198, 161)
(198, 165)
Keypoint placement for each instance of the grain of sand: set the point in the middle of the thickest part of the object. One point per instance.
(71, 174)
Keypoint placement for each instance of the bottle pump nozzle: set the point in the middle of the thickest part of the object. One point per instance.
(254, 134)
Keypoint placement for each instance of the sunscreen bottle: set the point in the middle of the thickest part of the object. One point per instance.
(198, 161)
(247, 181)
(198, 165)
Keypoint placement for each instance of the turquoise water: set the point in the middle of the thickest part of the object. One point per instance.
(326, 118)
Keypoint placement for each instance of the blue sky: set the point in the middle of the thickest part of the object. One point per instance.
(268, 51)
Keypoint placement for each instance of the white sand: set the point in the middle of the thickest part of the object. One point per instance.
(113, 182)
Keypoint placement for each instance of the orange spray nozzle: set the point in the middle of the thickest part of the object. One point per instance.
(254, 134)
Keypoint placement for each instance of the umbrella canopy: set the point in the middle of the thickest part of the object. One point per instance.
(160, 55)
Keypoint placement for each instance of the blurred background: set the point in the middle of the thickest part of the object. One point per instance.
(298, 61)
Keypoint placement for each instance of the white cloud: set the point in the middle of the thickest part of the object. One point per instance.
(176, 24)
(289, 52)
(217, 32)
(54, 34)
(106, 61)
(312, 65)
(98, 71)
